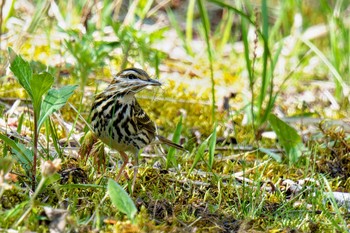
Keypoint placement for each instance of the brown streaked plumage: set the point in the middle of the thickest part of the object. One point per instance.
(118, 120)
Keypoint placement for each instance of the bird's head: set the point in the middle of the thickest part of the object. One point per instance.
(132, 80)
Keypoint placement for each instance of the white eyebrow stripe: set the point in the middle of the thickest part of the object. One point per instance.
(129, 72)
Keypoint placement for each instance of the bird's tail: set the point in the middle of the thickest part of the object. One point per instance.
(166, 141)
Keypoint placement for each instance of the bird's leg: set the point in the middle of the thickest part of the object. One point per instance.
(125, 161)
(136, 169)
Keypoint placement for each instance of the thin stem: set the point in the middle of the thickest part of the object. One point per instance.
(32, 199)
(36, 135)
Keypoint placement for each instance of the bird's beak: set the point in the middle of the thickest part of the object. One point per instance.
(153, 82)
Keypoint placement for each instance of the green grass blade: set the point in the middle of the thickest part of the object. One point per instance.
(189, 25)
(171, 160)
(272, 95)
(7, 13)
(244, 30)
(199, 154)
(176, 26)
(265, 81)
(52, 133)
(227, 6)
(212, 144)
(326, 61)
(41, 9)
(226, 32)
(15, 211)
(206, 26)
(143, 8)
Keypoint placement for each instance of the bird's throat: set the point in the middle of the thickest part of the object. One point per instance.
(128, 99)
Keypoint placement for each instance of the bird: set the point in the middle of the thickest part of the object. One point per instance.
(119, 121)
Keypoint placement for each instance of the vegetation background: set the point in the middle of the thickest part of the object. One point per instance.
(256, 91)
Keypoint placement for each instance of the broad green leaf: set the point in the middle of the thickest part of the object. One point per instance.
(22, 154)
(25, 157)
(170, 159)
(23, 72)
(288, 137)
(40, 84)
(121, 200)
(54, 100)
(212, 144)
(17, 147)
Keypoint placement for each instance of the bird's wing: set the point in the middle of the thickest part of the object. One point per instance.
(142, 120)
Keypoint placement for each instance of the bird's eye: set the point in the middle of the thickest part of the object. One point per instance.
(132, 76)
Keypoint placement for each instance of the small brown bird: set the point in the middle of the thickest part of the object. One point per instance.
(119, 121)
